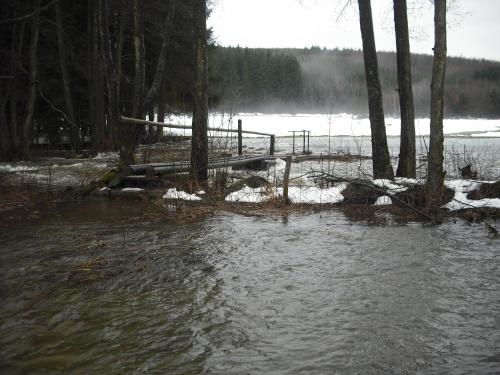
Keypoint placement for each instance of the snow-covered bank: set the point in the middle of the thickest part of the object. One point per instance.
(304, 189)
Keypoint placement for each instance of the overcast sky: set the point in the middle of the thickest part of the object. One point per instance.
(473, 31)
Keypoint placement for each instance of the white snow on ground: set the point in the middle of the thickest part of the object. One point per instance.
(392, 188)
(409, 181)
(248, 195)
(182, 195)
(17, 168)
(314, 195)
(296, 194)
(130, 190)
(383, 201)
(460, 201)
(106, 155)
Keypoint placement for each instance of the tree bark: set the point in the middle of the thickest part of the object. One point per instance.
(199, 145)
(140, 67)
(380, 153)
(68, 97)
(435, 173)
(33, 81)
(161, 65)
(161, 111)
(407, 159)
(97, 103)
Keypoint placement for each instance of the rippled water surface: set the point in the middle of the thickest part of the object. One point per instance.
(304, 294)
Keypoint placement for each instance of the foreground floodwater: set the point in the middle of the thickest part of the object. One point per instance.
(85, 291)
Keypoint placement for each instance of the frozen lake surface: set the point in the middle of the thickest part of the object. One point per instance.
(340, 124)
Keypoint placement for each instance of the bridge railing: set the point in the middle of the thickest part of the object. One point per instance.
(239, 131)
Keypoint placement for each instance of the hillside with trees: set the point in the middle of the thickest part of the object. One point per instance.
(317, 80)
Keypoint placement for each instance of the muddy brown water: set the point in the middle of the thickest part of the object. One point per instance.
(307, 294)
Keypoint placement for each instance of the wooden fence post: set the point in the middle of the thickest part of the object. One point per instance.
(286, 179)
(271, 146)
(240, 138)
(303, 141)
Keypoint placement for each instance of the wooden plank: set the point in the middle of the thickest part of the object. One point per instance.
(184, 166)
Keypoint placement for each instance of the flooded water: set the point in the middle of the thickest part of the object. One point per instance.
(85, 292)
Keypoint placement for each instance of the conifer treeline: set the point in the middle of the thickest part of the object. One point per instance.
(317, 80)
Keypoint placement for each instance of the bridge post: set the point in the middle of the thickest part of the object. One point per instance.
(286, 179)
(240, 138)
(271, 146)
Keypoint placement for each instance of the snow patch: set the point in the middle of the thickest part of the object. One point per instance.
(383, 201)
(460, 200)
(392, 188)
(182, 195)
(135, 190)
(296, 194)
(248, 195)
(18, 168)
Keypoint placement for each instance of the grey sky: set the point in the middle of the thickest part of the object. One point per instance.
(474, 26)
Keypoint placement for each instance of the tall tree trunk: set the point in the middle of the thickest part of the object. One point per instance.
(97, 104)
(435, 172)
(113, 117)
(199, 145)
(380, 153)
(161, 111)
(5, 137)
(161, 65)
(407, 163)
(33, 81)
(68, 97)
(140, 65)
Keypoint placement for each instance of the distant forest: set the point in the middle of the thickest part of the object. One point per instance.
(319, 80)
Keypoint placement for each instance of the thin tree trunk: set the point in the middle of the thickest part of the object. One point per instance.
(5, 137)
(126, 140)
(435, 177)
(15, 130)
(161, 112)
(161, 65)
(33, 76)
(68, 97)
(199, 145)
(96, 77)
(140, 68)
(407, 163)
(380, 153)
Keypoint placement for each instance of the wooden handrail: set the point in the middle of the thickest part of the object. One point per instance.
(140, 122)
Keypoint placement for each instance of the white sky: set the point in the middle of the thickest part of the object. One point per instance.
(473, 25)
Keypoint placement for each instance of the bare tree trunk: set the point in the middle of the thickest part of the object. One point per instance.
(380, 153)
(161, 112)
(126, 135)
(33, 75)
(407, 163)
(199, 145)
(97, 104)
(161, 65)
(140, 67)
(5, 137)
(68, 98)
(435, 177)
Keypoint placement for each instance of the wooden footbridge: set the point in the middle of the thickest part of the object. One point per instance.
(213, 163)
